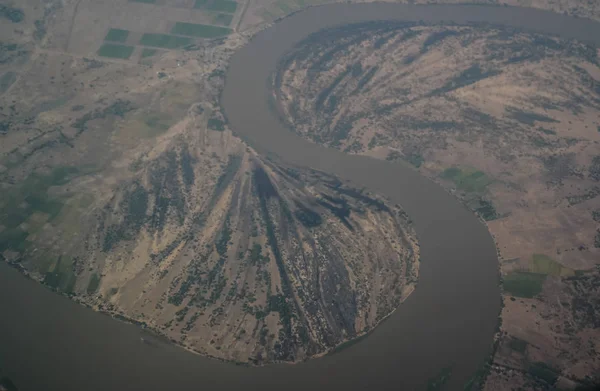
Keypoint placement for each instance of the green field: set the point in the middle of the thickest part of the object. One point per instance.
(148, 52)
(117, 35)
(20, 203)
(164, 41)
(467, 179)
(200, 3)
(543, 264)
(222, 6)
(144, 1)
(524, 284)
(115, 51)
(199, 30)
(223, 19)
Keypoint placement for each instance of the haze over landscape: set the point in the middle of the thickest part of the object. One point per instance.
(263, 186)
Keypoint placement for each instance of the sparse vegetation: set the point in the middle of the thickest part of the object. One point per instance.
(216, 124)
(528, 118)
(469, 76)
(307, 217)
(93, 284)
(146, 52)
(588, 195)
(415, 159)
(6, 80)
(544, 372)
(486, 210)
(543, 264)
(15, 15)
(594, 169)
(437, 37)
(518, 345)
(118, 108)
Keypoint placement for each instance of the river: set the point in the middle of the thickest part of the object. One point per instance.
(48, 342)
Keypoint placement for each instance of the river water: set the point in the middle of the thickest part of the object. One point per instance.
(48, 342)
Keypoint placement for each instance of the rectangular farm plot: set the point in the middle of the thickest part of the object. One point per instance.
(199, 30)
(164, 41)
(227, 6)
(223, 19)
(223, 6)
(115, 51)
(117, 35)
(524, 284)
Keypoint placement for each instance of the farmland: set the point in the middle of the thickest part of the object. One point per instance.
(117, 35)
(165, 24)
(164, 41)
(115, 51)
(523, 284)
(227, 6)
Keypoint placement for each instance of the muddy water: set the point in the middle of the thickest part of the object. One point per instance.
(49, 343)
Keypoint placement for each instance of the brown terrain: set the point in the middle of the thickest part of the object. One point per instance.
(508, 122)
(122, 186)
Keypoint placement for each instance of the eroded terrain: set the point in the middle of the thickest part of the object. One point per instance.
(508, 122)
(123, 187)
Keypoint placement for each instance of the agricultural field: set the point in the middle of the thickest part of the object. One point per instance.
(115, 51)
(524, 284)
(84, 30)
(227, 6)
(222, 19)
(117, 35)
(164, 41)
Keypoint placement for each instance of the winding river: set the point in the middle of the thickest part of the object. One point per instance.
(48, 342)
